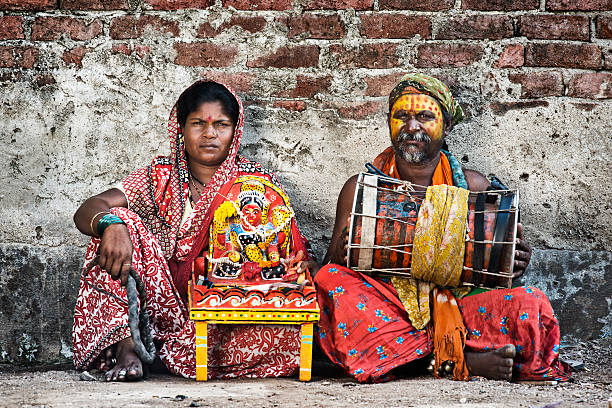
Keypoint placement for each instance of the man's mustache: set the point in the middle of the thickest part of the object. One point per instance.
(419, 136)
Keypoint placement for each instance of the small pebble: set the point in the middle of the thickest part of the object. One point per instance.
(325, 383)
(194, 404)
(180, 397)
(463, 400)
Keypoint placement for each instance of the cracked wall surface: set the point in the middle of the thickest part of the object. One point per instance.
(86, 88)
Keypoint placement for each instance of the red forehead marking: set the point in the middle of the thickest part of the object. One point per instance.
(209, 118)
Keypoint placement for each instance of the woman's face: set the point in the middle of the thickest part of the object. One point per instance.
(208, 134)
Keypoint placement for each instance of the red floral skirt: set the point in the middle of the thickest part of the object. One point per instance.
(100, 320)
(365, 329)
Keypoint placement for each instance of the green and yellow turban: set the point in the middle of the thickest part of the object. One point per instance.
(432, 87)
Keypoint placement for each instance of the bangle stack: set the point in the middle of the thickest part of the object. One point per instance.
(91, 227)
(107, 220)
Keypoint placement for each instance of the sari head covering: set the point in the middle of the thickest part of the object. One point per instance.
(421, 83)
(158, 193)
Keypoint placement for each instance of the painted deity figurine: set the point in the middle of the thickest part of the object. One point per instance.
(251, 233)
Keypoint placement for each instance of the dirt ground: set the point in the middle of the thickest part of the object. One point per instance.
(53, 387)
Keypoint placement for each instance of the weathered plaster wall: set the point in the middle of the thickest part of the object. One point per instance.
(86, 87)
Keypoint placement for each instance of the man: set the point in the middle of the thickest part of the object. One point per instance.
(365, 327)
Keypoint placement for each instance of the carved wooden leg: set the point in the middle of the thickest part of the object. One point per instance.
(306, 351)
(201, 351)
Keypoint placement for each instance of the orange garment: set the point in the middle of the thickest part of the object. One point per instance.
(449, 332)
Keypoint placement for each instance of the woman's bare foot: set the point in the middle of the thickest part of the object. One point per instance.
(128, 366)
(494, 365)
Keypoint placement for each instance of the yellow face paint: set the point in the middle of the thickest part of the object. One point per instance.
(422, 108)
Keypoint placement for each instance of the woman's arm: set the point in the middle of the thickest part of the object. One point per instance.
(116, 248)
(336, 252)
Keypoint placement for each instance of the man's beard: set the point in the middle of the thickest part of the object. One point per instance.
(410, 154)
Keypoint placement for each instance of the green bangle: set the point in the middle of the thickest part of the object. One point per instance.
(107, 220)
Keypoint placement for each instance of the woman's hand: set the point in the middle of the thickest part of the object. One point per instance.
(522, 256)
(116, 252)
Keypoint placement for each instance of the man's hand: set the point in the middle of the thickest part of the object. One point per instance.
(522, 256)
(116, 252)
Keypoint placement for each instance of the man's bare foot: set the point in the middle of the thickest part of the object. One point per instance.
(494, 365)
(128, 366)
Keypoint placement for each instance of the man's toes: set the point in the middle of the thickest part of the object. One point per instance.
(507, 362)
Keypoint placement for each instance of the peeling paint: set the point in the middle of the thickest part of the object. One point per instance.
(26, 352)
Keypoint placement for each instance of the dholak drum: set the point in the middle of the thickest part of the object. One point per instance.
(384, 216)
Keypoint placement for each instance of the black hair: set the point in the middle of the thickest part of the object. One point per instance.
(201, 92)
(251, 200)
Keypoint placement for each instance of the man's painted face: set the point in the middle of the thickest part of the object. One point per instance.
(252, 213)
(416, 124)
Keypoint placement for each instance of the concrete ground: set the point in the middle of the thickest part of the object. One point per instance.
(63, 387)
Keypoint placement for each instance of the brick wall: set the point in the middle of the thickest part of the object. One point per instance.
(549, 48)
(86, 87)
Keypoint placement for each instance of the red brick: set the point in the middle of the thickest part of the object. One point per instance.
(607, 55)
(604, 27)
(251, 24)
(591, 86)
(381, 85)
(121, 48)
(513, 56)
(28, 5)
(578, 5)
(504, 5)
(240, 82)
(44, 80)
(315, 26)
(94, 4)
(378, 56)
(7, 60)
(11, 28)
(448, 55)
(142, 50)
(339, 4)
(288, 57)
(500, 108)
(476, 27)
(259, 4)
(359, 110)
(555, 27)
(307, 86)
(18, 57)
(179, 4)
(52, 28)
(425, 5)
(205, 54)
(394, 26)
(539, 84)
(297, 106)
(14, 76)
(587, 56)
(75, 55)
(133, 27)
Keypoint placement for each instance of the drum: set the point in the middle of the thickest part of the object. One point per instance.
(384, 216)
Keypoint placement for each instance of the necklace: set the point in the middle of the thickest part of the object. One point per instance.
(196, 179)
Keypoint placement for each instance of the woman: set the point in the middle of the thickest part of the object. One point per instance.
(156, 222)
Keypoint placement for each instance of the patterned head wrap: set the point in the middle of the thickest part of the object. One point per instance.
(431, 86)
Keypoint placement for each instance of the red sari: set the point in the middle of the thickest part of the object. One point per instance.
(164, 246)
(365, 329)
